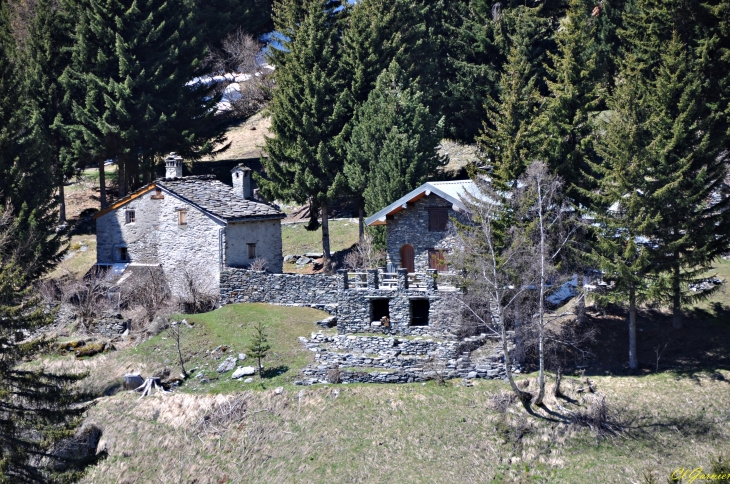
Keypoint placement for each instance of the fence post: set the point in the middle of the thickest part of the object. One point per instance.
(372, 275)
(342, 282)
(402, 278)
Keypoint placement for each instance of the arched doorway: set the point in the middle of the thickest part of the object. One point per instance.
(407, 258)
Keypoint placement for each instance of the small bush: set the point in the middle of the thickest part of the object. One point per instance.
(91, 349)
(502, 401)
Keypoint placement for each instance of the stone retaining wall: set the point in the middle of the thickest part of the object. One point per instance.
(242, 285)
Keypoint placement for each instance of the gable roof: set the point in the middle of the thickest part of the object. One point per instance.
(210, 196)
(451, 191)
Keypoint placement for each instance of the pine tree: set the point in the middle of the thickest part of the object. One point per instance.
(221, 17)
(688, 161)
(130, 81)
(624, 206)
(303, 163)
(259, 346)
(574, 85)
(26, 180)
(44, 57)
(509, 139)
(393, 145)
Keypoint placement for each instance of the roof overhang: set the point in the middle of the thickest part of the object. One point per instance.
(124, 201)
(425, 190)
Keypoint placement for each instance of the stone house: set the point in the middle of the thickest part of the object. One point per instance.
(419, 230)
(191, 225)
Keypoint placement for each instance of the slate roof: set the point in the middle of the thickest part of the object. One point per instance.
(211, 196)
(218, 198)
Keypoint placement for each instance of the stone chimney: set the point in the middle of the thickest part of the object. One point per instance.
(173, 166)
(242, 182)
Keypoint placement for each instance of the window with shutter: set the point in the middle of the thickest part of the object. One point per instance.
(182, 217)
(437, 219)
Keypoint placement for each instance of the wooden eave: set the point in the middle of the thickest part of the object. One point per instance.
(125, 200)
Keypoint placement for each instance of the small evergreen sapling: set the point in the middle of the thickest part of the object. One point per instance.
(259, 345)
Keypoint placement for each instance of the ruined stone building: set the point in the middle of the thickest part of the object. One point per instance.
(192, 225)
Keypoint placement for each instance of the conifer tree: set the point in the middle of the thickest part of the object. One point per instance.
(509, 138)
(303, 164)
(130, 81)
(44, 57)
(624, 206)
(688, 157)
(393, 145)
(259, 346)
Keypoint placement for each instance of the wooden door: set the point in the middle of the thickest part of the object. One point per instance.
(407, 258)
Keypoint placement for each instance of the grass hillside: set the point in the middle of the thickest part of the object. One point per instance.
(228, 431)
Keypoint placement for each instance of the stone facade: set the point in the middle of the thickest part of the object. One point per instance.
(266, 237)
(154, 237)
(411, 226)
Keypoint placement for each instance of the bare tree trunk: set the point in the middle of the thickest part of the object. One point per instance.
(580, 309)
(558, 380)
(633, 362)
(122, 176)
(61, 202)
(325, 233)
(541, 303)
(524, 397)
(361, 221)
(676, 295)
(102, 184)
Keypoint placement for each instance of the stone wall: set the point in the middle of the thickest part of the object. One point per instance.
(242, 285)
(156, 238)
(410, 226)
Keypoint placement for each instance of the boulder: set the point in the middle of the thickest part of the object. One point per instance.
(314, 255)
(248, 380)
(243, 371)
(227, 365)
(76, 450)
(241, 356)
(302, 261)
(290, 258)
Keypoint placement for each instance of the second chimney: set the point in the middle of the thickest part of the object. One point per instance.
(173, 166)
(242, 182)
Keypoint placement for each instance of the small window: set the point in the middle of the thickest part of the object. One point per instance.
(182, 217)
(131, 216)
(437, 219)
(419, 312)
(123, 254)
(158, 194)
(437, 260)
(251, 251)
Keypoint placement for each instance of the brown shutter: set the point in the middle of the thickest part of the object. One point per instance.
(407, 258)
(437, 219)
(437, 260)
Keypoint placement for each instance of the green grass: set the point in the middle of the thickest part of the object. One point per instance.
(231, 326)
(298, 240)
(77, 263)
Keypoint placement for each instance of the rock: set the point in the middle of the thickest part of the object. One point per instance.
(248, 380)
(89, 349)
(290, 258)
(314, 255)
(76, 450)
(279, 390)
(472, 374)
(132, 381)
(227, 365)
(243, 371)
(302, 261)
(158, 325)
(327, 322)
(241, 356)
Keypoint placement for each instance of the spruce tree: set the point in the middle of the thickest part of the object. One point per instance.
(393, 147)
(303, 164)
(259, 346)
(623, 207)
(131, 81)
(44, 57)
(509, 139)
(688, 158)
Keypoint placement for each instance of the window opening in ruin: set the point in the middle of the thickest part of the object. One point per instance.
(131, 216)
(419, 312)
(182, 217)
(123, 254)
(251, 251)
(437, 260)
(379, 309)
(437, 219)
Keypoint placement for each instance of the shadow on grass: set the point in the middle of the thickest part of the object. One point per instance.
(274, 371)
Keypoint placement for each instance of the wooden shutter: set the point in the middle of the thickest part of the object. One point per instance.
(437, 219)
(437, 260)
(407, 258)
